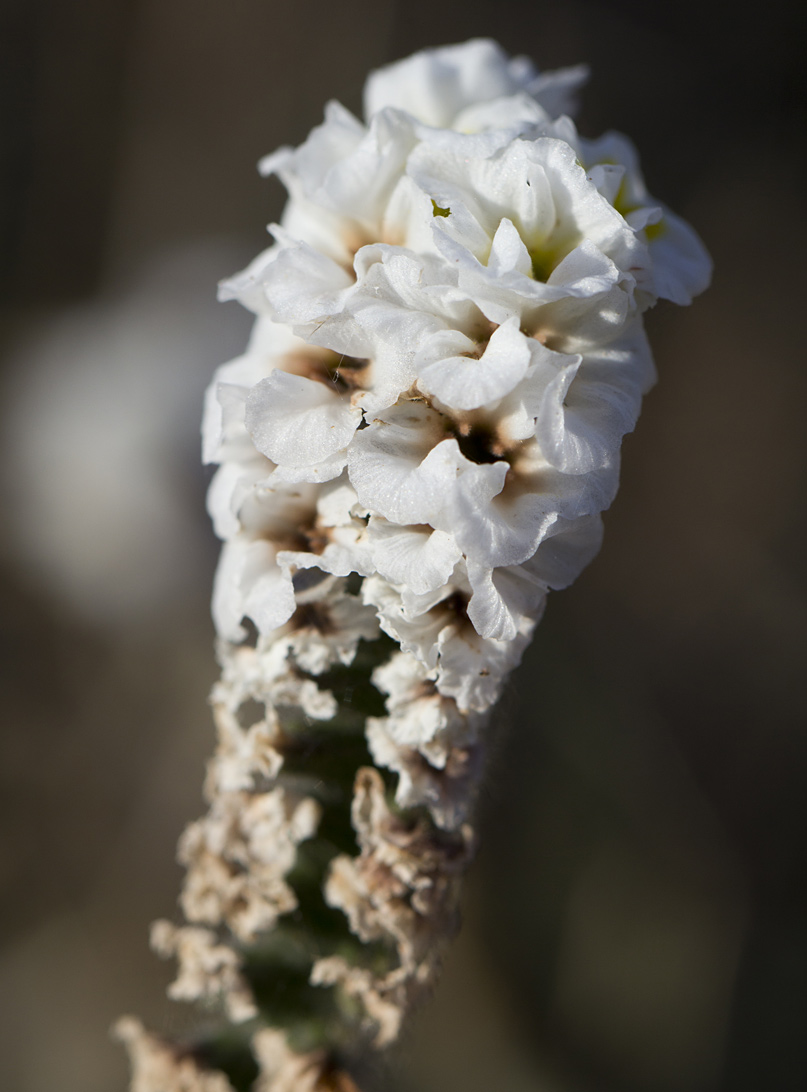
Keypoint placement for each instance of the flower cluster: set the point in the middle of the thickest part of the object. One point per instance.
(418, 442)
(448, 351)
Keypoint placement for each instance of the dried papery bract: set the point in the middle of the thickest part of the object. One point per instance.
(160, 1065)
(403, 889)
(415, 448)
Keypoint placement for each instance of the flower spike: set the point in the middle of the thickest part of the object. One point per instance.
(416, 447)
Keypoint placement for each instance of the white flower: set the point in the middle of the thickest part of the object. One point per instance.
(441, 87)
(451, 312)
(415, 556)
(437, 630)
(681, 266)
(420, 716)
(224, 437)
(399, 301)
(347, 184)
(484, 480)
(525, 226)
(582, 411)
(405, 465)
(504, 597)
(327, 627)
(301, 423)
(448, 351)
(461, 374)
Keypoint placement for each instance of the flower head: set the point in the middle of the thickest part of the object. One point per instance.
(457, 287)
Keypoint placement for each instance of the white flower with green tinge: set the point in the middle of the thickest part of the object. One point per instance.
(448, 351)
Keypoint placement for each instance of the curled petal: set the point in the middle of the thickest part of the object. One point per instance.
(682, 268)
(249, 582)
(502, 599)
(302, 286)
(565, 552)
(401, 467)
(297, 421)
(436, 84)
(507, 528)
(465, 383)
(587, 410)
(417, 557)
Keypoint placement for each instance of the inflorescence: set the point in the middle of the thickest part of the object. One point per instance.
(415, 448)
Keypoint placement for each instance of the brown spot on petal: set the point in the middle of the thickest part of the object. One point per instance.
(317, 538)
(427, 688)
(456, 604)
(479, 442)
(314, 616)
(341, 373)
(291, 540)
(308, 538)
(546, 334)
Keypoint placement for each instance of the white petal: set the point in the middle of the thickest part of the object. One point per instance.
(682, 267)
(250, 583)
(436, 84)
(345, 552)
(336, 502)
(513, 114)
(473, 669)
(334, 140)
(417, 557)
(297, 422)
(247, 286)
(557, 91)
(585, 411)
(302, 286)
(401, 467)
(502, 599)
(231, 485)
(360, 185)
(507, 528)
(325, 470)
(465, 383)
(418, 636)
(508, 252)
(565, 552)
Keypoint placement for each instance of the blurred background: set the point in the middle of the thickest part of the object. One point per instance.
(637, 917)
